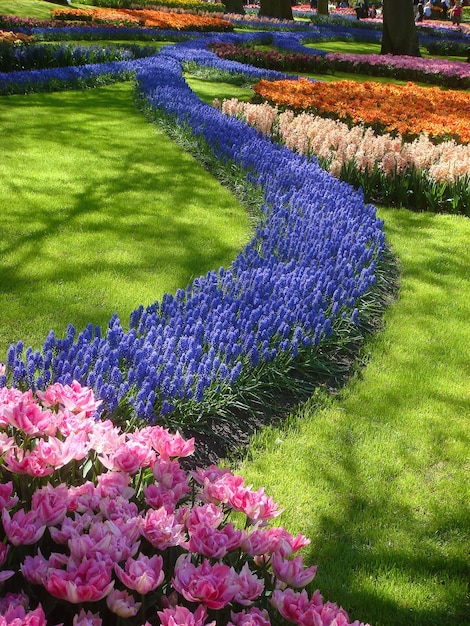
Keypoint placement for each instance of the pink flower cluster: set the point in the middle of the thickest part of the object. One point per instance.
(437, 67)
(111, 526)
(339, 145)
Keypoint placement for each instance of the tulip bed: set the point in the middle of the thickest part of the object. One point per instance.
(102, 527)
(417, 174)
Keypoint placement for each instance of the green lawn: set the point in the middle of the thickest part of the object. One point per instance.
(101, 212)
(31, 8)
(378, 478)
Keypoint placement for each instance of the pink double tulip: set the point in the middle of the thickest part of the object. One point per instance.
(51, 503)
(143, 574)
(88, 581)
(77, 399)
(251, 587)
(212, 542)
(23, 528)
(87, 618)
(7, 499)
(182, 616)
(253, 617)
(297, 608)
(292, 572)
(162, 529)
(212, 585)
(122, 603)
(4, 574)
(168, 445)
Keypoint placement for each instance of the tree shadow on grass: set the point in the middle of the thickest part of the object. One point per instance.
(147, 220)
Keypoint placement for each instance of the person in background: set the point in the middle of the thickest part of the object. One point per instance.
(428, 9)
(456, 13)
(420, 13)
(445, 9)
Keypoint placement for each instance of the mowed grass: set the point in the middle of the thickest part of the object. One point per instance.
(32, 8)
(378, 478)
(101, 212)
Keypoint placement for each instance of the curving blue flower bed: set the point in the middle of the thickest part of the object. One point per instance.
(311, 260)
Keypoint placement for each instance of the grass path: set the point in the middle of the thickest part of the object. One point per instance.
(378, 479)
(101, 212)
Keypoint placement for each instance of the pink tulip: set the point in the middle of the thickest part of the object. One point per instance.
(89, 582)
(256, 505)
(181, 616)
(114, 484)
(18, 615)
(212, 542)
(86, 618)
(23, 528)
(210, 475)
(19, 462)
(50, 503)
(292, 571)
(207, 514)
(122, 603)
(27, 416)
(84, 497)
(269, 540)
(253, 617)
(161, 529)
(169, 446)
(128, 457)
(77, 399)
(251, 587)
(212, 585)
(222, 490)
(142, 574)
(7, 499)
(6, 443)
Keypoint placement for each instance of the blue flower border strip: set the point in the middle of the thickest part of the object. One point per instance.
(312, 258)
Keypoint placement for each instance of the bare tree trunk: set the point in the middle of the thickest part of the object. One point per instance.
(281, 9)
(322, 7)
(399, 29)
(234, 6)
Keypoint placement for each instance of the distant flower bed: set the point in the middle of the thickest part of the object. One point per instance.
(100, 527)
(300, 59)
(419, 174)
(191, 5)
(146, 17)
(406, 109)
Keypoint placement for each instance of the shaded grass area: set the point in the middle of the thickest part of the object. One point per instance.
(378, 478)
(101, 212)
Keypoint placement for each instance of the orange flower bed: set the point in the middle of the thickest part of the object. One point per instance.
(144, 17)
(7, 36)
(405, 109)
